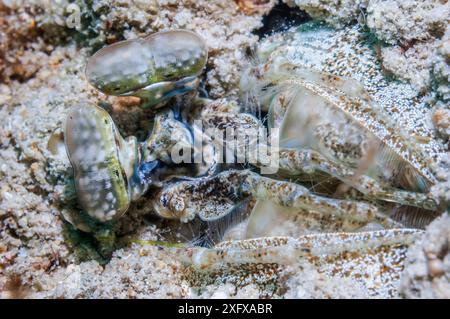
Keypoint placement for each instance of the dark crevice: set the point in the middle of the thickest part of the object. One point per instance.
(281, 18)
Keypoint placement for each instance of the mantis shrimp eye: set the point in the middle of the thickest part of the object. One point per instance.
(150, 67)
(102, 162)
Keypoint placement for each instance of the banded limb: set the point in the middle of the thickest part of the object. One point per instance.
(214, 197)
(288, 250)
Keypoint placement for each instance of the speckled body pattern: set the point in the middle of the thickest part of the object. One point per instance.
(277, 85)
(374, 259)
(213, 197)
(338, 101)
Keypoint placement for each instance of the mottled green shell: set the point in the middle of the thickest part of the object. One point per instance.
(132, 65)
(103, 162)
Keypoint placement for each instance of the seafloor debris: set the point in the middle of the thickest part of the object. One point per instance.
(427, 268)
(255, 6)
(412, 34)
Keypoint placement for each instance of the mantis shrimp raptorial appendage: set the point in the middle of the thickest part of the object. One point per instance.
(308, 162)
(214, 197)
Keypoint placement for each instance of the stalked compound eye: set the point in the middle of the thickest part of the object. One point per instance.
(121, 68)
(95, 151)
(151, 67)
(177, 54)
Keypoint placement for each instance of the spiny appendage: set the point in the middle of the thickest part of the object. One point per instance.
(309, 162)
(287, 251)
(154, 68)
(94, 147)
